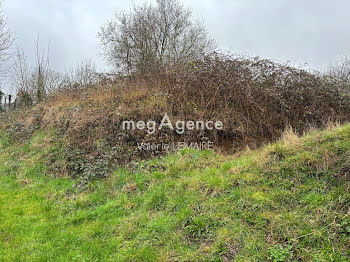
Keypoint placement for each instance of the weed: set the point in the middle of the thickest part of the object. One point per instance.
(279, 253)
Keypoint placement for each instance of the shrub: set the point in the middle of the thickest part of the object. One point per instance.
(255, 98)
(281, 253)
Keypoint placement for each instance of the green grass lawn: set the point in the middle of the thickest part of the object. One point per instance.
(288, 201)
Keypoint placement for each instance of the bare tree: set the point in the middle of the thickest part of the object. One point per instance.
(84, 74)
(150, 36)
(33, 83)
(341, 71)
(21, 80)
(6, 40)
(40, 75)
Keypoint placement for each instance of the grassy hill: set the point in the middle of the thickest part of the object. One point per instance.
(288, 201)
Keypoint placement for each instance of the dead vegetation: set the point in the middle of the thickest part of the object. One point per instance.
(256, 99)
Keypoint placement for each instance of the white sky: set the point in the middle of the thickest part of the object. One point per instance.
(302, 31)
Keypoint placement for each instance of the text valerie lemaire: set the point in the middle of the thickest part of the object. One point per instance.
(180, 126)
(175, 146)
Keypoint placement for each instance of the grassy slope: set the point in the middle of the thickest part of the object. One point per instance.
(283, 201)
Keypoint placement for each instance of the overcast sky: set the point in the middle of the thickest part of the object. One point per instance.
(302, 31)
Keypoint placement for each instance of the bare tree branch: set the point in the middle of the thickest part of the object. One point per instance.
(151, 36)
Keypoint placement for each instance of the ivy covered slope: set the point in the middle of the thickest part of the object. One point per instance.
(288, 201)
